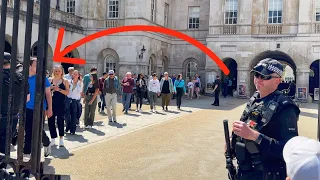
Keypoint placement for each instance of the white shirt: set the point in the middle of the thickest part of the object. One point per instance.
(190, 85)
(68, 77)
(154, 86)
(75, 92)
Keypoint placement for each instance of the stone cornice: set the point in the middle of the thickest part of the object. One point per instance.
(53, 23)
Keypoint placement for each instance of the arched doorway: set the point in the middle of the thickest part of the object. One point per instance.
(282, 57)
(67, 65)
(72, 54)
(165, 65)
(191, 69)
(314, 77)
(233, 75)
(34, 53)
(7, 47)
(8, 44)
(110, 63)
(151, 65)
(108, 59)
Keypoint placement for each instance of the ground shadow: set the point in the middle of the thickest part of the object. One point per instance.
(50, 170)
(117, 125)
(61, 152)
(96, 131)
(146, 113)
(188, 111)
(76, 137)
(158, 112)
(307, 114)
(228, 103)
(134, 115)
(98, 123)
(173, 112)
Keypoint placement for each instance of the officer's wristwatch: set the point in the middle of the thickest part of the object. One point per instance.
(259, 139)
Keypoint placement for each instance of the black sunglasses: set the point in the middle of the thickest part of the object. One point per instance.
(264, 77)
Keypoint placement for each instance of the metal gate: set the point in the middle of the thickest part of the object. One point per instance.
(34, 166)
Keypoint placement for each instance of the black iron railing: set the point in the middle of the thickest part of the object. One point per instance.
(34, 167)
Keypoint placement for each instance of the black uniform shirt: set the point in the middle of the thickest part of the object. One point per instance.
(281, 128)
(17, 86)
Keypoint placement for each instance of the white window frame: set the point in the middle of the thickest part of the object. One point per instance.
(275, 16)
(153, 10)
(110, 63)
(113, 9)
(71, 6)
(317, 11)
(231, 12)
(191, 69)
(166, 14)
(194, 17)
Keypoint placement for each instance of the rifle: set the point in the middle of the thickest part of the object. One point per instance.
(232, 173)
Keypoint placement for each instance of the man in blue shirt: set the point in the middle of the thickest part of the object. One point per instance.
(29, 110)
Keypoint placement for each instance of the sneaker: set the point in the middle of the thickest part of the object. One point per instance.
(47, 151)
(140, 111)
(26, 157)
(88, 127)
(153, 110)
(61, 144)
(102, 112)
(137, 110)
(110, 120)
(53, 142)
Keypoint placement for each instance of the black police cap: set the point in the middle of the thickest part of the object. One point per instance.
(268, 66)
(7, 57)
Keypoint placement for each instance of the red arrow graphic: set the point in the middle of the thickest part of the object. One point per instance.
(59, 55)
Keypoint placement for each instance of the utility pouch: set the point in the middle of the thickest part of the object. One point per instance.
(240, 149)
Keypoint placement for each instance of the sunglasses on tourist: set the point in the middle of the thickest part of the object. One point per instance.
(264, 77)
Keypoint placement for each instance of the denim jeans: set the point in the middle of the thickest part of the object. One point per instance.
(72, 116)
(103, 101)
(126, 97)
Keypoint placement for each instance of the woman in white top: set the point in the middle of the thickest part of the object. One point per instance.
(190, 89)
(73, 99)
(154, 91)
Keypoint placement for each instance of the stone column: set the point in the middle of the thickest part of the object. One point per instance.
(302, 80)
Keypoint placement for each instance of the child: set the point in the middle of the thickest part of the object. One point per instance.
(190, 89)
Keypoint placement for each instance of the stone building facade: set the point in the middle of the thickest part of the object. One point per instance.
(240, 32)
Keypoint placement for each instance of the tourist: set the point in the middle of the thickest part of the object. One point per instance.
(69, 75)
(166, 87)
(190, 89)
(110, 90)
(180, 88)
(141, 88)
(60, 89)
(102, 103)
(154, 91)
(127, 84)
(29, 111)
(90, 101)
(73, 101)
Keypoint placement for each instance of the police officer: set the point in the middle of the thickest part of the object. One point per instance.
(17, 85)
(268, 122)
